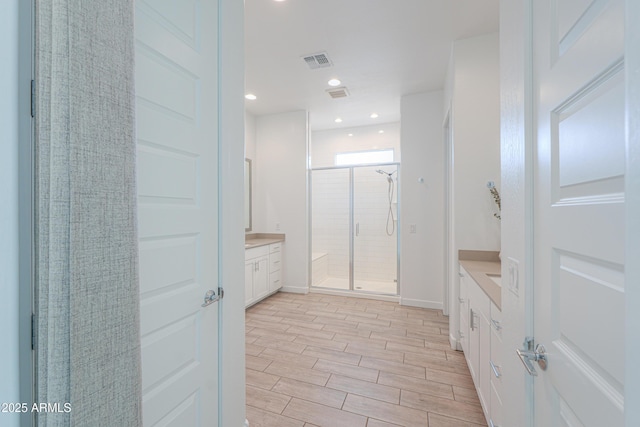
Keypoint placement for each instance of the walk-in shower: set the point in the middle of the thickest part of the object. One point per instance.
(354, 223)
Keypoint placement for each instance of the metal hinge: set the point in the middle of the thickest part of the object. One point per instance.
(33, 98)
(33, 332)
(221, 292)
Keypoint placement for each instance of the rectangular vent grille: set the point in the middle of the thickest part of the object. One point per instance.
(317, 60)
(338, 92)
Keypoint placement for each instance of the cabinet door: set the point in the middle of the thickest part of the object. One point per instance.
(261, 277)
(249, 266)
(474, 341)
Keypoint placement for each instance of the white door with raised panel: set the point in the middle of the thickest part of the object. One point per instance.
(177, 128)
(579, 222)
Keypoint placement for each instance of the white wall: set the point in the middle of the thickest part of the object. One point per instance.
(476, 141)
(327, 143)
(281, 190)
(422, 203)
(472, 94)
(9, 356)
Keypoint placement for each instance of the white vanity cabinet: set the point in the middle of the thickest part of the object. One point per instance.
(275, 266)
(262, 272)
(480, 332)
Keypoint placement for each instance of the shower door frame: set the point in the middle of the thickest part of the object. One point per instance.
(351, 169)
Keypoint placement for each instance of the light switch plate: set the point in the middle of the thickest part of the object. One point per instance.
(412, 228)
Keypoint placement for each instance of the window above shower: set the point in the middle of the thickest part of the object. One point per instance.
(355, 146)
(368, 157)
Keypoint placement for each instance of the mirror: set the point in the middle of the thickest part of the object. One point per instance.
(247, 195)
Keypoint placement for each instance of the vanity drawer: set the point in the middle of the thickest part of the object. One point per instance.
(256, 252)
(275, 247)
(275, 261)
(275, 280)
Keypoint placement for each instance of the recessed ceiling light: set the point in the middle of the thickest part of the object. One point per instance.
(350, 134)
(338, 120)
(380, 131)
(374, 115)
(278, 0)
(251, 97)
(334, 82)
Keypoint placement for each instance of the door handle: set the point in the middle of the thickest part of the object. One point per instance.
(210, 297)
(494, 368)
(527, 357)
(496, 324)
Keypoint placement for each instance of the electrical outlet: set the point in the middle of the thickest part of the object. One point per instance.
(412, 228)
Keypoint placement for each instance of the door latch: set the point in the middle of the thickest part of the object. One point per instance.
(210, 297)
(530, 355)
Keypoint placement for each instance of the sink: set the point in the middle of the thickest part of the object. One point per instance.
(497, 278)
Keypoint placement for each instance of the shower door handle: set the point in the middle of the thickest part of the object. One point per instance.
(357, 228)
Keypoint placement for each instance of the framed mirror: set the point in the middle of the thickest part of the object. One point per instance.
(247, 195)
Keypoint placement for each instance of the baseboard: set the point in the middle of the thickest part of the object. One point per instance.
(454, 343)
(338, 292)
(421, 303)
(294, 290)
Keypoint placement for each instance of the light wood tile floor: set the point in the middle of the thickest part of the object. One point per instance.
(330, 361)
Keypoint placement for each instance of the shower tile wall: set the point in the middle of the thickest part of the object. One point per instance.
(330, 220)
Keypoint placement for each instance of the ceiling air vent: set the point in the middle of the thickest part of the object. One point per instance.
(338, 92)
(317, 60)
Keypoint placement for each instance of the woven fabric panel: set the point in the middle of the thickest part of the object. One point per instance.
(87, 303)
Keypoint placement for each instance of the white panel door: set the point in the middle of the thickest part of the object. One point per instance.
(177, 129)
(579, 223)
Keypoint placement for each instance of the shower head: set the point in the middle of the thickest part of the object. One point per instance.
(380, 171)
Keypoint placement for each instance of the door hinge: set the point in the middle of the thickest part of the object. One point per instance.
(33, 332)
(221, 292)
(33, 98)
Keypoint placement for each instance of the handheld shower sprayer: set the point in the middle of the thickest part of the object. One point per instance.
(390, 219)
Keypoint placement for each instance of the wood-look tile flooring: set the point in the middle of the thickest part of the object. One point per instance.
(332, 361)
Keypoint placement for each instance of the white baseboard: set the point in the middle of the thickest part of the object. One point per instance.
(421, 303)
(454, 343)
(294, 290)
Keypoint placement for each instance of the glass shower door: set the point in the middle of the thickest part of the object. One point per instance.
(375, 241)
(330, 225)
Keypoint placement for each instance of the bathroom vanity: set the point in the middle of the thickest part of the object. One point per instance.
(481, 327)
(262, 266)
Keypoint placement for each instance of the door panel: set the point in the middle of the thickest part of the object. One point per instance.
(375, 249)
(176, 101)
(579, 225)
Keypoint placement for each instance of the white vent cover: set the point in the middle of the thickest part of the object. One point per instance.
(317, 60)
(338, 92)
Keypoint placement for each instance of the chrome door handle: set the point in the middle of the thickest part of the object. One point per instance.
(461, 300)
(538, 355)
(472, 319)
(494, 368)
(496, 324)
(210, 297)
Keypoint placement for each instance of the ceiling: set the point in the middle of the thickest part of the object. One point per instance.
(380, 50)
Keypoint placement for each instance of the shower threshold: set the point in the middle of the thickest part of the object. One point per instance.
(387, 287)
